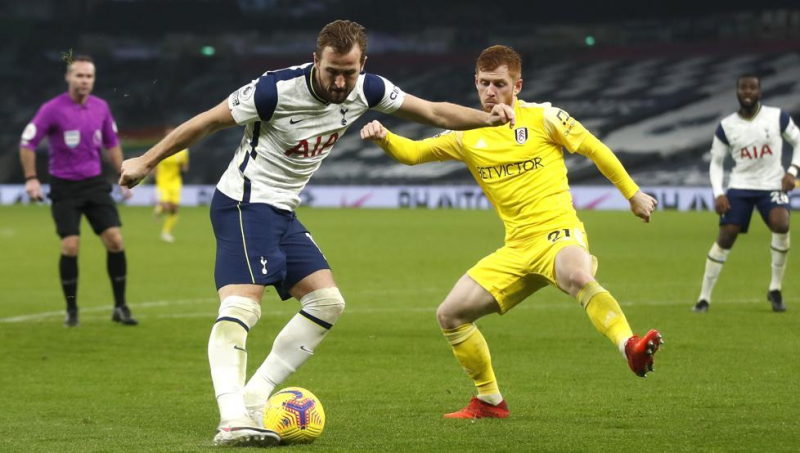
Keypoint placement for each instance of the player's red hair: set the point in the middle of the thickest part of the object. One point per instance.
(496, 56)
(341, 36)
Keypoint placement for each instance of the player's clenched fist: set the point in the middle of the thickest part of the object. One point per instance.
(643, 205)
(374, 131)
(502, 114)
(133, 172)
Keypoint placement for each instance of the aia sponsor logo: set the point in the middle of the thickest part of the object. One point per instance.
(754, 153)
(303, 150)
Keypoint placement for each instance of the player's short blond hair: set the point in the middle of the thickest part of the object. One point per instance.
(494, 57)
(341, 36)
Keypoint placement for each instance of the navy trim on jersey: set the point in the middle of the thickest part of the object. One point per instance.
(784, 121)
(246, 190)
(266, 96)
(244, 163)
(309, 72)
(252, 154)
(374, 89)
(253, 143)
(721, 135)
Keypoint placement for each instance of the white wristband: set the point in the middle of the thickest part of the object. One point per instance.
(792, 171)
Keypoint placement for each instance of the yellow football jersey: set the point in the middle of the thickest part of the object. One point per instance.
(521, 170)
(168, 171)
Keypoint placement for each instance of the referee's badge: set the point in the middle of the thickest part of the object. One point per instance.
(72, 138)
(521, 134)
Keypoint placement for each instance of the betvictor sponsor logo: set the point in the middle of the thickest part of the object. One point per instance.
(512, 169)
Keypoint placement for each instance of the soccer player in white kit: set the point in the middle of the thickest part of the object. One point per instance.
(292, 119)
(753, 137)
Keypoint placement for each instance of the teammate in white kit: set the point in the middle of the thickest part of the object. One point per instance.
(292, 119)
(753, 136)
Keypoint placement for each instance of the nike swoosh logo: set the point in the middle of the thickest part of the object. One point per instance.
(307, 350)
(241, 349)
(292, 121)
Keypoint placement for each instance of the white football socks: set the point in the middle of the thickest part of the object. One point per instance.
(716, 258)
(227, 354)
(780, 251)
(294, 344)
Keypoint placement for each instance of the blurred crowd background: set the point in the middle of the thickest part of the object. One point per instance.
(651, 83)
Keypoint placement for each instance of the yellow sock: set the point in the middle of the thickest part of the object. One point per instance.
(605, 313)
(472, 353)
(169, 223)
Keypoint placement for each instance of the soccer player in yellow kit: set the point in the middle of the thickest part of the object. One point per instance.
(168, 185)
(522, 172)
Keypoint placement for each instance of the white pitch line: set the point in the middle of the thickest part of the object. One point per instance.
(267, 310)
(161, 303)
(48, 314)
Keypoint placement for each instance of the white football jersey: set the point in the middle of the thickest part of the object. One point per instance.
(289, 130)
(756, 145)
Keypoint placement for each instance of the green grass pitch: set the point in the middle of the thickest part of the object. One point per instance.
(725, 381)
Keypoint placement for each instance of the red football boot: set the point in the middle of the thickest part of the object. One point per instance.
(640, 352)
(478, 409)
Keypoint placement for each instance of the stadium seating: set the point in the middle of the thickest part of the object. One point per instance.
(656, 108)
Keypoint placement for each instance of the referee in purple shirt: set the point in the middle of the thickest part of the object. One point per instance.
(77, 125)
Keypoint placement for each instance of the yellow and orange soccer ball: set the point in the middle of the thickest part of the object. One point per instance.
(296, 415)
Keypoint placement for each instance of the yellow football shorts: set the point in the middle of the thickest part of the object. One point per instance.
(522, 267)
(170, 193)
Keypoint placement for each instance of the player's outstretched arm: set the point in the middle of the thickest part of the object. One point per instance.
(412, 152)
(182, 137)
(453, 117)
(401, 149)
(642, 205)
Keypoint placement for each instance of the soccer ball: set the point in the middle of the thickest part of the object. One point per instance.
(296, 415)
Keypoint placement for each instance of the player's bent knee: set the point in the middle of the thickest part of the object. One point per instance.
(323, 306)
(449, 317)
(444, 317)
(70, 245)
(575, 280)
(112, 239)
(241, 310)
(580, 278)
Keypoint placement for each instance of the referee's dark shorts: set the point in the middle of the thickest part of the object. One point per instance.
(91, 197)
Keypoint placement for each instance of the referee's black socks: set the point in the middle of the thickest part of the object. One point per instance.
(68, 270)
(117, 272)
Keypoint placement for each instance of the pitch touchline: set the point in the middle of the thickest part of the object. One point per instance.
(47, 314)
(161, 303)
(267, 310)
